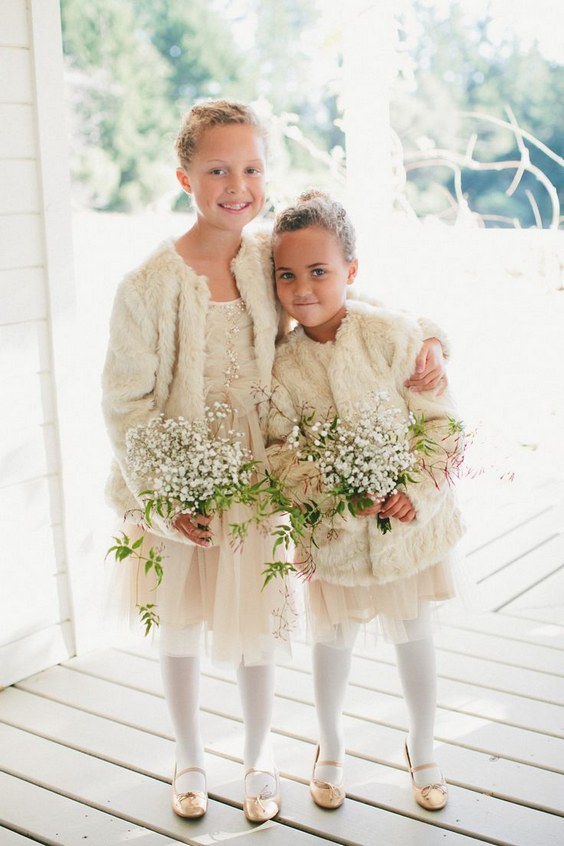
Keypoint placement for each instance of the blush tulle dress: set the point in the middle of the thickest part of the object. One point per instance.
(218, 591)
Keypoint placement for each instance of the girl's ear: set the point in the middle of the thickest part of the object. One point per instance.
(353, 270)
(182, 177)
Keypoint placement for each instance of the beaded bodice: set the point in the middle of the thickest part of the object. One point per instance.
(230, 359)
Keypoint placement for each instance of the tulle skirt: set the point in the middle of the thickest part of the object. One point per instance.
(334, 612)
(217, 595)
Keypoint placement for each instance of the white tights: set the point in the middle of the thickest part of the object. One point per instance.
(181, 683)
(417, 672)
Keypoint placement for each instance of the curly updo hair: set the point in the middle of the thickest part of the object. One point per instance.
(206, 115)
(316, 208)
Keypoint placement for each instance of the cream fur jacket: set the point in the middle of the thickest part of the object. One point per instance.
(155, 358)
(374, 350)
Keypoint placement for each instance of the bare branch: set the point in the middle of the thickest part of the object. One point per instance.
(535, 141)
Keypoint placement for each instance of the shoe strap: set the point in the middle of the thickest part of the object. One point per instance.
(328, 764)
(423, 767)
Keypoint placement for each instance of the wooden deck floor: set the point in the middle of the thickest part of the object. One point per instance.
(86, 749)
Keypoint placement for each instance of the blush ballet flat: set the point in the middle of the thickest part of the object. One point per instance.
(266, 804)
(433, 796)
(192, 803)
(324, 793)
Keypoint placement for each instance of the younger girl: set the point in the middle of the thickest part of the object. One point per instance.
(342, 352)
(195, 324)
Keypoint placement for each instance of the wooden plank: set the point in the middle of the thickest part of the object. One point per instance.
(483, 530)
(455, 692)
(507, 584)
(492, 740)
(485, 733)
(365, 821)
(468, 813)
(513, 628)
(21, 141)
(13, 14)
(153, 754)
(366, 698)
(506, 651)
(128, 795)
(522, 539)
(12, 838)
(546, 616)
(546, 593)
(20, 186)
(29, 654)
(50, 818)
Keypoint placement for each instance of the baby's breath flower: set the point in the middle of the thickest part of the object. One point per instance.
(188, 464)
(367, 453)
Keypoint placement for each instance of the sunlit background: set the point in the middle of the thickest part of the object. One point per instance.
(135, 67)
(473, 238)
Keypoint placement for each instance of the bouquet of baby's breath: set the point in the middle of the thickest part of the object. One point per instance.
(347, 464)
(192, 467)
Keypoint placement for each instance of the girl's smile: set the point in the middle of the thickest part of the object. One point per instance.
(312, 276)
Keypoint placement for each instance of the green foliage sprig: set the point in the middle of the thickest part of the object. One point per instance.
(125, 548)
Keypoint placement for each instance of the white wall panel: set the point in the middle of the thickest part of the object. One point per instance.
(22, 295)
(14, 31)
(20, 141)
(15, 75)
(24, 348)
(20, 187)
(21, 237)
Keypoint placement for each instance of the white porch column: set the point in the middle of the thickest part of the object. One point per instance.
(370, 65)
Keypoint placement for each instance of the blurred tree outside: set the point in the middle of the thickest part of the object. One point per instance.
(135, 67)
(453, 65)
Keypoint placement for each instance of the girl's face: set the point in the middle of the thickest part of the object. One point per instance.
(226, 176)
(311, 279)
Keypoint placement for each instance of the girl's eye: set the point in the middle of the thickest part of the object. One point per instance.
(285, 275)
(254, 171)
(318, 271)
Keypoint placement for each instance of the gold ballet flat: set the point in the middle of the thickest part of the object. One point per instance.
(266, 804)
(193, 803)
(432, 797)
(323, 793)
